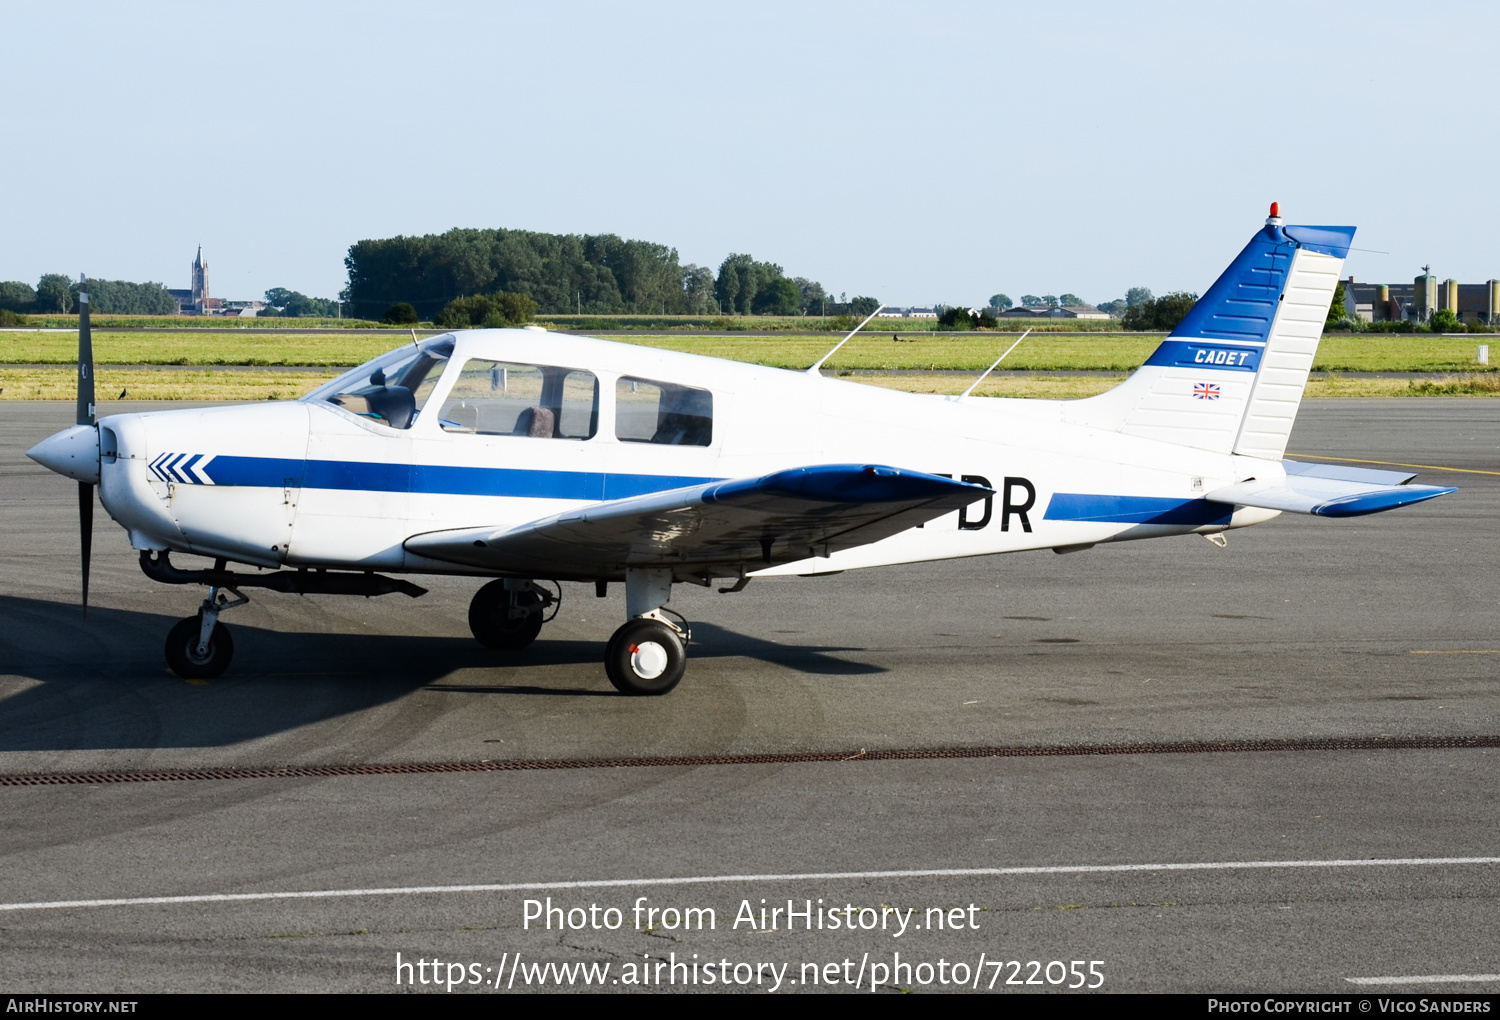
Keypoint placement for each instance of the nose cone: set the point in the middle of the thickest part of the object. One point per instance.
(73, 452)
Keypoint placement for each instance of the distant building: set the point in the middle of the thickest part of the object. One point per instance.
(1392, 302)
(200, 277)
(1018, 312)
(1078, 312)
(196, 300)
(1065, 312)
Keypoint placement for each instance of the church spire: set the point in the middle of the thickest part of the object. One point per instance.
(200, 280)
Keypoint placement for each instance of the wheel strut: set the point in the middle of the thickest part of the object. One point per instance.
(208, 613)
(199, 647)
(648, 654)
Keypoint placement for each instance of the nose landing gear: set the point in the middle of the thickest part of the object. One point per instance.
(199, 647)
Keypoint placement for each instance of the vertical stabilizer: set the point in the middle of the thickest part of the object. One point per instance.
(1230, 376)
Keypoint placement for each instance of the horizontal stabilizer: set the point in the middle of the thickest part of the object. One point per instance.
(1347, 474)
(743, 523)
(1329, 491)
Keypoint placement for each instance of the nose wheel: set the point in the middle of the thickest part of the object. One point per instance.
(183, 650)
(199, 647)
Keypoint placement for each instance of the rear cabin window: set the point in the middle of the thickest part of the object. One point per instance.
(664, 413)
(500, 398)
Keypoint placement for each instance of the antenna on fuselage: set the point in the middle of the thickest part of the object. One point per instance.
(856, 329)
(414, 337)
(987, 371)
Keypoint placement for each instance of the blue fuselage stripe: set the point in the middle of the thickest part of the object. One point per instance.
(366, 476)
(1082, 506)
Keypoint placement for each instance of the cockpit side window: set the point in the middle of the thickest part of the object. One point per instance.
(501, 398)
(667, 414)
(392, 389)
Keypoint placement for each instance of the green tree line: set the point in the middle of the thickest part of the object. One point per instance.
(1163, 313)
(565, 273)
(56, 293)
(296, 305)
(492, 312)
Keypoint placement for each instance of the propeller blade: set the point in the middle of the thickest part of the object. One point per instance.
(85, 357)
(85, 417)
(86, 534)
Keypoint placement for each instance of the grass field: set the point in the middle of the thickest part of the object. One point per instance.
(160, 384)
(1060, 352)
(579, 323)
(764, 325)
(212, 384)
(1045, 352)
(1073, 387)
(796, 323)
(169, 347)
(107, 321)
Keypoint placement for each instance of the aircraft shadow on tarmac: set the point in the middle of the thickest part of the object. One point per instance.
(104, 685)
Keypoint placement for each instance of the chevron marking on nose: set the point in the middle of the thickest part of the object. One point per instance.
(202, 474)
(187, 469)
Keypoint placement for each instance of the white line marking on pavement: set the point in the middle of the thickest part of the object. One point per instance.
(810, 876)
(1423, 979)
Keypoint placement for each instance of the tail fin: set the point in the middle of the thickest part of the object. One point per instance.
(1230, 377)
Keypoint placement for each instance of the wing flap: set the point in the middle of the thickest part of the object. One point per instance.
(779, 518)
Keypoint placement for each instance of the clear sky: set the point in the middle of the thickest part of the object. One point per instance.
(916, 152)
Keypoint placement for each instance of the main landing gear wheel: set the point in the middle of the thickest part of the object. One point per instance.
(645, 657)
(183, 656)
(504, 624)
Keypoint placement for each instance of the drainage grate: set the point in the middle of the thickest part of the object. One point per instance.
(790, 758)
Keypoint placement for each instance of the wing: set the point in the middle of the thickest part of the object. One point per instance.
(728, 526)
(1328, 490)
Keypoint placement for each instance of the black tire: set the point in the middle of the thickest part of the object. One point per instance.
(182, 650)
(645, 657)
(491, 623)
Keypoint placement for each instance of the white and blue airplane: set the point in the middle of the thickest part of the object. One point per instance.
(531, 457)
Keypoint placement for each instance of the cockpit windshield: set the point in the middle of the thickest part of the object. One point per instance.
(392, 389)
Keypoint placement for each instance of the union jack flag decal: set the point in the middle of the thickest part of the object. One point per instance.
(1206, 391)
